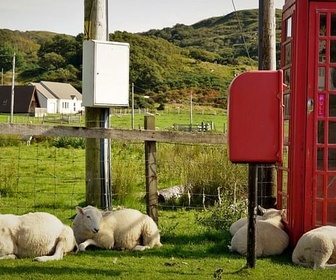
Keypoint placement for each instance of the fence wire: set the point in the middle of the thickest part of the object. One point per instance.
(44, 173)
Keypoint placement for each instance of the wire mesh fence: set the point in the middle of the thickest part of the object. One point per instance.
(48, 173)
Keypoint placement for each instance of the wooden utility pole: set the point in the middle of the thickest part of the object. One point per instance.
(98, 151)
(262, 176)
(267, 61)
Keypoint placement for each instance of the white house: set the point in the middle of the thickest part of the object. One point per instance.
(59, 98)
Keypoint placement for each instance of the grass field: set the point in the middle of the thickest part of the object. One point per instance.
(45, 178)
(164, 120)
(189, 251)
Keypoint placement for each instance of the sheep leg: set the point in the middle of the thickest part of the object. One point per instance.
(58, 255)
(321, 259)
(8, 257)
(86, 243)
(329, 266)
(140, 248)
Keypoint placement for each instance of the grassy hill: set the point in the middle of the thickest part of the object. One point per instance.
(166, 64)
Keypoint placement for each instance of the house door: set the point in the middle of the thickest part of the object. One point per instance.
(320, 189)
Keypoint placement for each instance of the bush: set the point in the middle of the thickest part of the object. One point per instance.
(224, 213)
(67, 142)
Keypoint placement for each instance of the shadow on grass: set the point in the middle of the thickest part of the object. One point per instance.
(210, 244)
(25, 270)
(186, 246)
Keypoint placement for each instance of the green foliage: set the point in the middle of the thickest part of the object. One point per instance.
(69, 142)
(220, 36)
(224, 213)
(7, 181)
(51, 61)
(9, 141)
(7, 52)
(204, 56)
(202, 169)
(41, 178)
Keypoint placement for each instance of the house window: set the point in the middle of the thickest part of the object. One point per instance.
(65, 105)
(74, 106)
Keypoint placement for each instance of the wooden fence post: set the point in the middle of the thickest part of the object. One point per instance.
(151, 175)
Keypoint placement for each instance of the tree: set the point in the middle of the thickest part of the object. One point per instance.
(51, 61)
(6, 54)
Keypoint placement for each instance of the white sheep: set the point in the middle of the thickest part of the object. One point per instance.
(271, 239)
(122, 229)
(40, 235)
(243, 221)
(316, 248)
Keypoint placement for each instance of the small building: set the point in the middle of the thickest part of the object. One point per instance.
(25, 100)
(59, 98)
(46, 98)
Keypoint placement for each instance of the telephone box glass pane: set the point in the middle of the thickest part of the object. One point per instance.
(288, 53)
(331, 187)
(322, 51)
(323, 21)
(333, 24)
(320, 159)
(321, 78)
(331, 159)
(332, 51)
(332, 78)
(332, 133)
(320, 132)
(289, 28)
(319, 207)
(321, 105)
(284, 202)
(331, 210)
(287, 73)
(319, 186)
(332, 105)
(286, 100)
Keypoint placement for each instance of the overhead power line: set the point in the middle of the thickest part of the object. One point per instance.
(240, 29)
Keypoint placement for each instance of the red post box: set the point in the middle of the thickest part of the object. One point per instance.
(255, 117)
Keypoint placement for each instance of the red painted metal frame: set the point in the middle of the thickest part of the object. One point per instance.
(297, 128)
(302, 126)
(316, 8)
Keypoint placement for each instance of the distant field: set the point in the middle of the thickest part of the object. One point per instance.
(164, 120)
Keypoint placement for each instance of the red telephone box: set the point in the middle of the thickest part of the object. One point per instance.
(307, 176)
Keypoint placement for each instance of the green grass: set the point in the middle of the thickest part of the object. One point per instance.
(44, 178)
(164, 120)
(189, 251)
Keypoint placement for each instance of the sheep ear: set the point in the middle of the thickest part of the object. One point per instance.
(79, 210)
(262, 209)
(106, 213)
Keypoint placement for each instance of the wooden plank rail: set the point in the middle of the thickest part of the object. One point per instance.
(112, 133)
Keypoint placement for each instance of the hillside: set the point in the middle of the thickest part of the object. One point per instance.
(165, 64)
(225, 38)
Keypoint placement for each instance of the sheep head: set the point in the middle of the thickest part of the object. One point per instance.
(91, 218)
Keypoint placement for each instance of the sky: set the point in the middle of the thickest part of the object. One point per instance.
(67, 16)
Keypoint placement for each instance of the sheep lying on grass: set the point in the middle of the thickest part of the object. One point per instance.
(243, 221)
(121, 229)
(271, 239)
(40, 235)
(316, 248)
